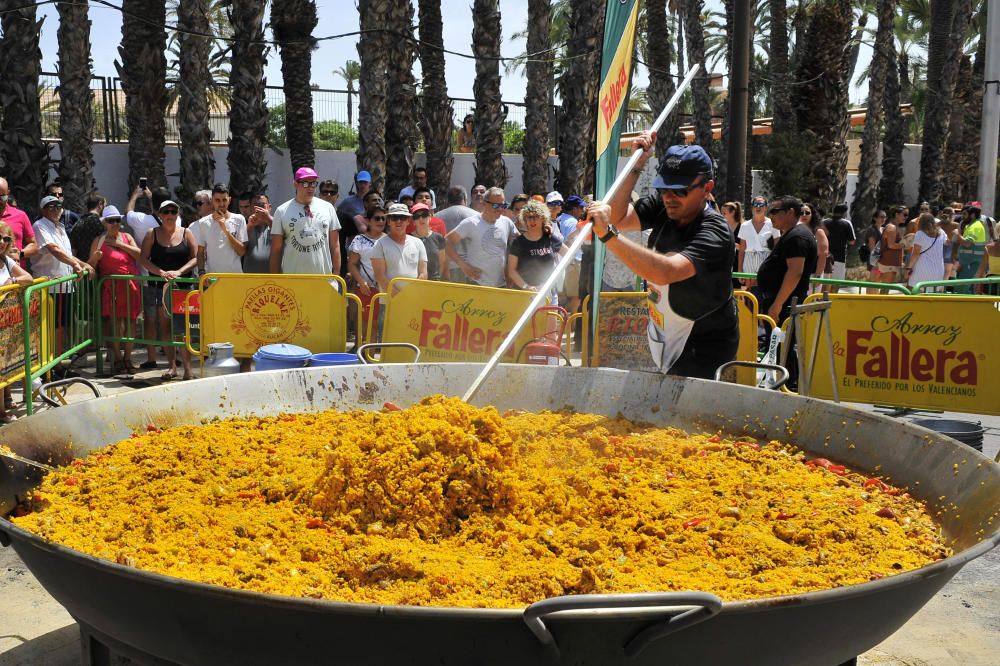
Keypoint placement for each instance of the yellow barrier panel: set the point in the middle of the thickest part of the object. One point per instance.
(252, 310)
(748, 312)
(923, 352)
(452, 322)
(12, 333)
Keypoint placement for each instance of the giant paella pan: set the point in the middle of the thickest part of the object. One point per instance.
(160, 619)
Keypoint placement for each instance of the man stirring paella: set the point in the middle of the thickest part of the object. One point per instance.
(693, 325)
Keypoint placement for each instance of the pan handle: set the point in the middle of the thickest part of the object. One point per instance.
(698, 607)
(383, 345)
(780, 369)
(43, 390)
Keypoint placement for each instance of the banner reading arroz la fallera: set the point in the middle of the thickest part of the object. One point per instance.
(925, 352)
(453, 322)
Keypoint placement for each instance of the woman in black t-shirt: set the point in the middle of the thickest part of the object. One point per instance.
(786, 271)
(532, 256)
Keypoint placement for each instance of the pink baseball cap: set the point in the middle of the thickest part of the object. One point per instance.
(305, 173)
(419, 207)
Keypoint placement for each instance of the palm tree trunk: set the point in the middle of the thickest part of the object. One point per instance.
(882, 59)
(535, 170)
(659, 51)
(961, 156)
(293, 22)
(948, 24)
(820, 99)
(401, 131)
(490, 112)
(437, 115)
(974, 115)
(373, 48)
(781, 108)
(856, 40)
(24, 158)
(76, 111)
(890, 191)
(679, 29)
(247, 110)
(197, 163)
(800, 23)
(695, 37)
(143, 72)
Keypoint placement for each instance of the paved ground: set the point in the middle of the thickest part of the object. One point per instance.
(959, 627)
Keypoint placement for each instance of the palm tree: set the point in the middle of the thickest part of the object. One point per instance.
(490, 111)
(350, 72)
(293, 22)
(76, 110)
(694, 34)
(578, 89)
(402, 132)
(890, 190)
(24, 158)
(437, 113)
(374, 53)
(197, 162)
(535, 170)
(143, 72)
(949, 21)
(659, 54)
(781, 108)
(247, 110)
(883, 58)
(820, 99)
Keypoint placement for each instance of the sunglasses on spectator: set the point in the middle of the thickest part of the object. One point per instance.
(420, 216)
(759, 205)
(54, 205)
(328, 193)
(113, 220)
(498, 206)
(378, 218)
(308, 183)
(169, 211)
(398, 218)
(772, 211)
(553, 204)
(6, 239)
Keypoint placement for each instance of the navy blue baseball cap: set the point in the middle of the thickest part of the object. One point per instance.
(680, 166)
(574, 200)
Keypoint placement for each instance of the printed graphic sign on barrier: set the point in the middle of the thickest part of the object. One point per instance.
(252, 310)
(452, 322)
(12, 333)
(924, 352)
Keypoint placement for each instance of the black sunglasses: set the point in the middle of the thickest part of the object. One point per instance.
(54, 205)
(679, 192)
(378, 218)
(498, 206)
(113, 220)
(169, 211)
(6, 239)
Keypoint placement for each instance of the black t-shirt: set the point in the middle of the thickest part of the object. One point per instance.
(796, 242)
(433, 244)
(536, 259)
(348, 230)
(706, 297)
(840, 232)
(83, 233)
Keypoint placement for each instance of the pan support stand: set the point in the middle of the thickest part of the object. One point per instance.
(796, 314)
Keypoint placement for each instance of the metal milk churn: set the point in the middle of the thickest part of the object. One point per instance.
(220, 360)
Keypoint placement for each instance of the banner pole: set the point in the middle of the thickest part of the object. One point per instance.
(566, 259)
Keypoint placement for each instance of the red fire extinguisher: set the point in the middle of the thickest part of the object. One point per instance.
(545, 349)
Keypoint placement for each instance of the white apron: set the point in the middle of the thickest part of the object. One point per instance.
(667, 332)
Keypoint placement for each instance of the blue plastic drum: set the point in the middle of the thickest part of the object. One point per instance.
(333, 358)
(281, 357)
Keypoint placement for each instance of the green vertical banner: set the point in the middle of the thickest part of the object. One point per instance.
(616, 78)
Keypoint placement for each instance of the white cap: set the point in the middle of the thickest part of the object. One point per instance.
(553, 196)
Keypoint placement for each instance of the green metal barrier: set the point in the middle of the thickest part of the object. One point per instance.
(131, 318)
(858, 284)
(72, 305)
(965, 288)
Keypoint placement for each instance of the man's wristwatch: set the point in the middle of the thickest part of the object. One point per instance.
(611, 233)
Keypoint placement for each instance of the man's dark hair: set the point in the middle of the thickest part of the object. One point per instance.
(330, 184)
(220, 188)
(370, 194)
(840, 210)
(419, 168)
(160, 195)
(54, 183)
(791, 203)
(457, 195)
(94, 199)
(247, 196)
(418, 190)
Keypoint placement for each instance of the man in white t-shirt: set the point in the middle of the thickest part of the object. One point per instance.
(221, 236)
(395, 254)
(488, 235)
(305, 231)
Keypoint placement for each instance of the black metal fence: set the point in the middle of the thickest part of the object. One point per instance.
(329, 106)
